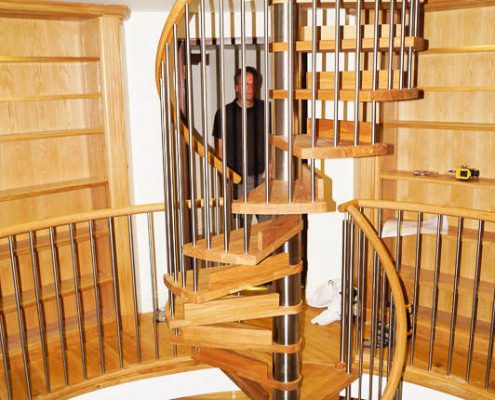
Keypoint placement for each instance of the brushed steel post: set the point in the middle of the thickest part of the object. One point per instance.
(402, 43)
(490, 345)
(474, 311)
(60, 314)
(390, 82)
(313, 94)
(94, 267)
(134, 288)
(376, 66)
(438, 250)
(357, 70)
(20, 320)
(154, 292)
(453, 313)
(417, 265)
(118, 321)
(39, 309)
(266, 53)
(336, 82)
(77, 294)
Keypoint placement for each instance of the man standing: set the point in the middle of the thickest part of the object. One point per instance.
(255, 123)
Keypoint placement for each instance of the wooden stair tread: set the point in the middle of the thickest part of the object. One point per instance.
(278, 204)
(380, 95)
(235, 395)
(324, 129)
(325, 149)
(232, 336)
(242, 366)
(324, 381)
(367, 44)
(347, 79)
(217, 282)
(228, 309)
(264, 239)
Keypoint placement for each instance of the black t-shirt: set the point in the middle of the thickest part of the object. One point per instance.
(255, 123)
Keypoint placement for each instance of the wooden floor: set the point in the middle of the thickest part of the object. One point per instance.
(321, 348)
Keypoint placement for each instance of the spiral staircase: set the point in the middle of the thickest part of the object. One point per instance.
(216, 257)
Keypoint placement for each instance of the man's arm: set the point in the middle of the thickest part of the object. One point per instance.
(218, 147)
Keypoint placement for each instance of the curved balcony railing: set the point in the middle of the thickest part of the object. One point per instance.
(74, 313)
(443, 256)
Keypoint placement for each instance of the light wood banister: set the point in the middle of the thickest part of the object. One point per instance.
(399, 357)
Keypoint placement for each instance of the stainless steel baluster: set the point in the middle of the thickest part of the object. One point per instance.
(20, 320)
(266, 52)
(402, 43)
(94, 266)
(192, 164)
(118, 321)
(398, 255)
(171, 171)
(376, 66)
(374, 310)
(435, 291)
(417, 265)
(390, 82)
(343, 290)
(313, 95)
(410, 50)
(204, 126)
(453, 314)
(178, 160)
(357, 68)
(134, 288)
(362, 316)
(77, 293)
(336, 82)
(60, 314)
(383, 296)
(5, 357)
(350, 296)
(490, 345)
(154, 292)
(290, 99)
(39, 309)
(474, 310)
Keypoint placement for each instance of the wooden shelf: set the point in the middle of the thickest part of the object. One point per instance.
(33, 59)
(19, 137)
(444, 5)
(217, 282)
(459, 50)
(28, 298)
(480, 183)
(382, 95)
(325, 149)
(49, 188)
(77, 96)
(453, 126)
(278, 203)
(264, 238)
(446, 282)
(367, 45)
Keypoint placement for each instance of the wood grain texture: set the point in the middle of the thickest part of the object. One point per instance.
(326, 80)
(302, 148)
(288, 227)
(380, 95)
(217, 282)
(350, 44)
(278, 203)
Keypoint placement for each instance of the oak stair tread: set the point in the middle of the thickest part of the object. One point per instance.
(324, 148)
(324, 129)
(380, 95)
(367, 44)
(347, 79)
(234, 395)
(228, 309)
(349, 4)
(216, 282)
(278, 202)
(232, 336)
(264, 238)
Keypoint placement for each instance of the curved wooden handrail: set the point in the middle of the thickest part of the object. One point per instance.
(399, 357)
(178, 11)
(79, 217)
(484, 215)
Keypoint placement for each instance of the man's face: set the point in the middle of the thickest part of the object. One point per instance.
(250, 88)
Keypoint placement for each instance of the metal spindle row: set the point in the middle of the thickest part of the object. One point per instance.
(74, 263)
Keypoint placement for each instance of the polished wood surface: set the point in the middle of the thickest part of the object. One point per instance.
(286, 227)
(381, 95)
(60, 9)
(325, 149)
(216, 282)
(278, 203)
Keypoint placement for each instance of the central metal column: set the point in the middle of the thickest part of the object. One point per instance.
(286, 329)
